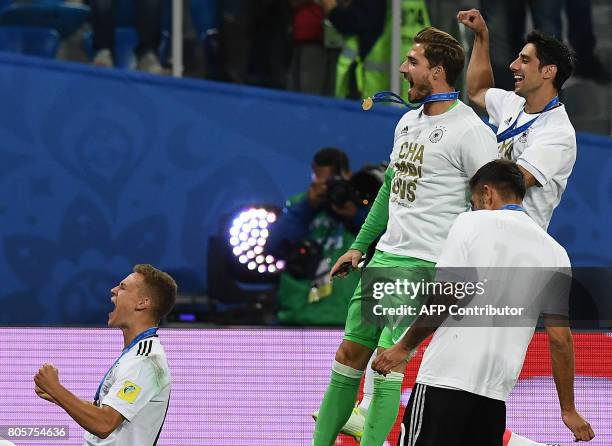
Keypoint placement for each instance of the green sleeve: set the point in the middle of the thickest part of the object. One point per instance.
(377, 218)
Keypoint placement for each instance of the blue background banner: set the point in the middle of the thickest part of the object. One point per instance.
(104, 169)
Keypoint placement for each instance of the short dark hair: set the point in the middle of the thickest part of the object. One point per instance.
(552, 51)
(162, 287)
(331, 156)
(504, 175)
(442, 49)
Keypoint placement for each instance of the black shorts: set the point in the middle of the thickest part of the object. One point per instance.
(446, 417)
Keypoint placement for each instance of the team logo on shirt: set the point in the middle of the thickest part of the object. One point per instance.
(129, 392)
(523, 138)
(437, 134)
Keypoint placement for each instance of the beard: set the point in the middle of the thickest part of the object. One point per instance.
(519, 92)
(418, 92)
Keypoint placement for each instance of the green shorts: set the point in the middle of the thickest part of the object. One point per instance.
(369, 334)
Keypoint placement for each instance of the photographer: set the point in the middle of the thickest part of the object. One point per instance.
(316, 227)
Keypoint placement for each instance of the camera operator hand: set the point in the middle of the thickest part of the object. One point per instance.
(316, 193)
(353, 256)
(347, 210)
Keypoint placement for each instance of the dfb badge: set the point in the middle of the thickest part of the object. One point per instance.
(437, 134)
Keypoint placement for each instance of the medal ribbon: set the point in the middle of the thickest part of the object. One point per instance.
(513, 130)
(149, 333)
(389, 96)
(512, 207)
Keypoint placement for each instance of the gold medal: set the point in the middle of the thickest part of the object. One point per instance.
(367, 103)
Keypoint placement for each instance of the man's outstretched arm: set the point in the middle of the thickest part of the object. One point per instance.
(479, 71)
(423, 327)
(561, 347)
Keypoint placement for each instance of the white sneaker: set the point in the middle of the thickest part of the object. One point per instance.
(354, 425)
(103, 58)
(149, 63)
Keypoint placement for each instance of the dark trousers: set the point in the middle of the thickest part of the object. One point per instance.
(255, 41)
(148, 24)
(443, 417)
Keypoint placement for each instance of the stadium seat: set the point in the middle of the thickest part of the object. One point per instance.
(42, 42)
(63, 17)
(126, 40)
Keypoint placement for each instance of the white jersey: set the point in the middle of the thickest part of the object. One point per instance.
(433, 159)
(487, 360)
(547, 149)
(138, 387)
(517, 440)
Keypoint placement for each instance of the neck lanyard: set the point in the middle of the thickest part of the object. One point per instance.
(389, 96)
(513, 130)
(149, 333)
(512, 207)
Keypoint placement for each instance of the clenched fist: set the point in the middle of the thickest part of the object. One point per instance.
(473, 20)
(47, 379)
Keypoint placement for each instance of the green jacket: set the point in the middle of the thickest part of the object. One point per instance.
(319, 301)
(372, 73)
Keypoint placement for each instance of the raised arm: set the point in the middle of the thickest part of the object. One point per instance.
(100, 421)
(479, 71)
(530, 180)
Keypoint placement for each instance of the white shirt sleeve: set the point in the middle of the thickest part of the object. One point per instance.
(556, 295)
(478, 147)
(495, 99)
(137, 382)
(454, 251)
(551, 153)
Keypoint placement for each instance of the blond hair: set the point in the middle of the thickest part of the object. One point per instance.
(162, 287)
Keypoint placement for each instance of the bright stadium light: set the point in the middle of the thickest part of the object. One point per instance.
(247, 236)
(242, 276)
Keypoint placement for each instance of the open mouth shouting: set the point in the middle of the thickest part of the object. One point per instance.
(112, 313)
(518, 79)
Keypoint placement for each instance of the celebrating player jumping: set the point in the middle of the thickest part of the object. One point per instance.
(435, 151)
(534, 129)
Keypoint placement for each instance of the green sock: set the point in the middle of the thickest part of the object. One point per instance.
(337, 404)
(383, 409)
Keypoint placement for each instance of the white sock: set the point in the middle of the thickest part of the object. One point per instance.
(368, 386)
(517, 440)
(347, 371)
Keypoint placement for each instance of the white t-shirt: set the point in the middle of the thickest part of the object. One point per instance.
(517, 440)
(433, 159)
(138, 387)
(487, 360)
(547, 149)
